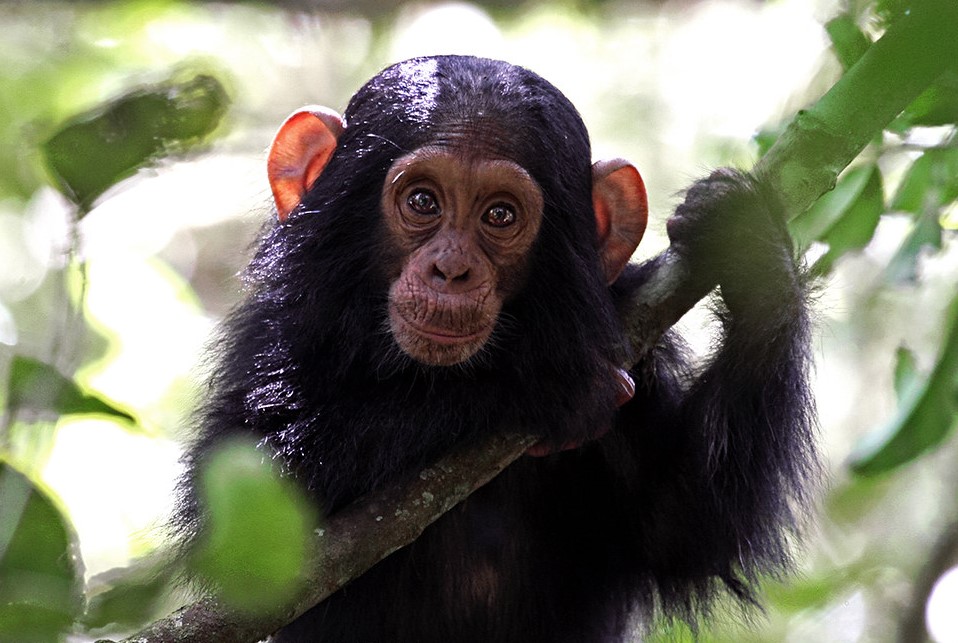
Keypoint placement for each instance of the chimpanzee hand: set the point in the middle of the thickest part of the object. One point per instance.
(731, 230)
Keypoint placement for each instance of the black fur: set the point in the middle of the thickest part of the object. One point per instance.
(701, 481)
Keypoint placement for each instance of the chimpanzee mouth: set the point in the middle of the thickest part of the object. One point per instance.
(437, 345)
(446, 336)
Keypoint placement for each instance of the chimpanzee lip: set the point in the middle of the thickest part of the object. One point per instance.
(441, 335)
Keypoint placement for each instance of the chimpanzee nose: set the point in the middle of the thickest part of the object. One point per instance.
(452, 271)
(456, 274)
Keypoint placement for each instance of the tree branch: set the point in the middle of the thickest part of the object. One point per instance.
(804, 164)
(821, 141)
(352, 541)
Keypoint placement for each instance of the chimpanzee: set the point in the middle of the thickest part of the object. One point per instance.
(447, 262)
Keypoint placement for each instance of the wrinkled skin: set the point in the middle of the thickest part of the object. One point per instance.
(465, 226)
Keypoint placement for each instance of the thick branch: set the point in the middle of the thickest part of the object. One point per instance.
(354, 540)
(821, 141)
(803, 165)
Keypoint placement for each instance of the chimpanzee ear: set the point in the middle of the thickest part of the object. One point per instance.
(300, 151)
(621, 212)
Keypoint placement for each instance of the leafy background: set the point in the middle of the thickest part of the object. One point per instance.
(132, 183)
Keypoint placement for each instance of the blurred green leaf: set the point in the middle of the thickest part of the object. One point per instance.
(258, 527)
(848, 41)
(931, 182)
(98, 149)
(926, 232)
(926, 410)
(809, 593)
(906, 372)
(41, 581)
(937, 105)
(814, 223)
(35, 387)
(857, 225)
(844, 218)
(851, 502)
(129, 596)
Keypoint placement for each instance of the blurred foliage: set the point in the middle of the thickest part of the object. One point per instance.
(41, 578)
(131, 596)
(938, 105)
(926, 408)
(845, 218)
(41, 582)
(35, 389)
(848, 41)
(99, 96)
(97, 150)
(254, 551)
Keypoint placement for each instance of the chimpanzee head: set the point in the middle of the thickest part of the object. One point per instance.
(475, 179)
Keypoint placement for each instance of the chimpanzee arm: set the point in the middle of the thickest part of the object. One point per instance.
(716, 465)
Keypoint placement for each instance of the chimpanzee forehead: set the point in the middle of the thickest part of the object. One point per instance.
(458, 92)
(487, 107)
(480, 136)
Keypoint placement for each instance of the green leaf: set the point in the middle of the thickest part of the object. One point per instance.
(814, 223)
(857, 225)
(41, 582)
(906, 372)
(930, 183)
(903, 267)
(851, 503)
(808, 592)
(926, 411)
(844, 218)
(98, 149)
(848, 41)
(38, 388)
(257, 531)
(937, 105)
(129, 596)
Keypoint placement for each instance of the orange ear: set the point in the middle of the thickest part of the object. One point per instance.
(300, 151)
(621, 212)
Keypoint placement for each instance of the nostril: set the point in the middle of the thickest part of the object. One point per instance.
(451, 270)
(451, 274)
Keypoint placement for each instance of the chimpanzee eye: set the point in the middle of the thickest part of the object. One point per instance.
(500, 215)
(423, 202)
